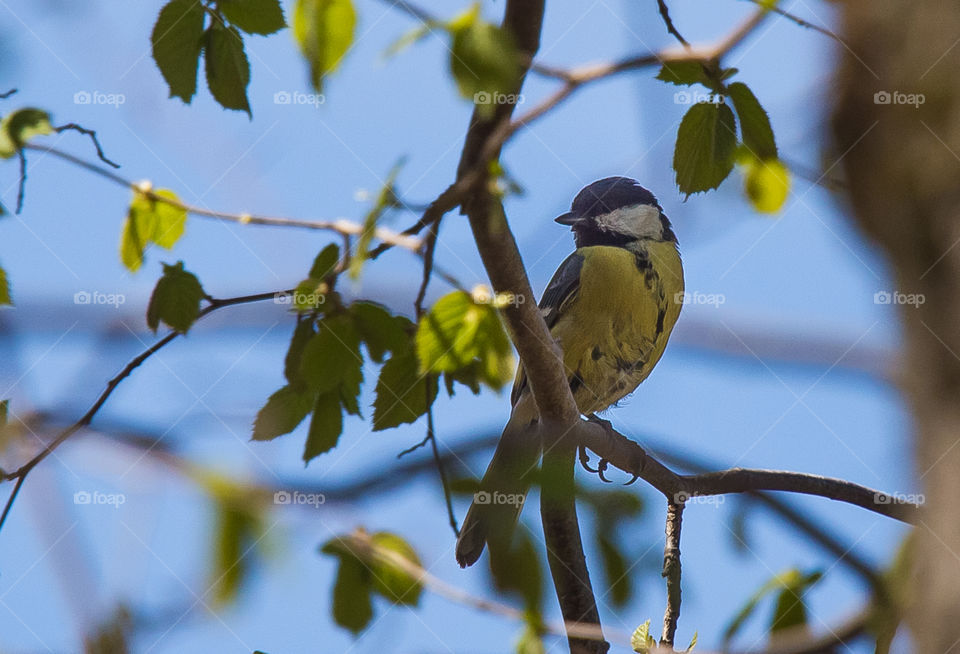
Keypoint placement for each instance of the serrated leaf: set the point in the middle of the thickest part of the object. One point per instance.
(331, 358)
(682, 73)
(767, 184)
(170, 221)
(282, 413)
(324, 31)
(457, 332)
(291, 362)
(380, 331)
(402, 393)
(484, 59)
(706, 141)
(641, 641)
(390, 580)
(325, 425)
(4, 288)
(254, 16)
(175, 299)
(325, 262)
(754, 122)
(228, 70)
(352, 605)
(177, 39)
(19, 127)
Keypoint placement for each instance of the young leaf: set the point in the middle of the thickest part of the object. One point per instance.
(390, 580)
(4, 288)
(682, 73)
(352, 606)
(754, 122)
(282, 413)
(19, 127)
(149, 220)
(175, 299)
(291, 363)
(325, 426)
(705, 147)
(131, 244)
(458, 331)
(332, 359)
(324, 31)
(790, 579)
(766, 183)
(790, 611)
(484, 59)
(170, 220)
(254, 16)
(402, 393)
(177, 39)
(380, 331)
(326, 262)
(228, 71)
(530, 641)
(641, 641)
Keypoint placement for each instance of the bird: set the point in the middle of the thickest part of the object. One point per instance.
(610, 306)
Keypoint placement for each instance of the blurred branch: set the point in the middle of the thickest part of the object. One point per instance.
(20, 474)
(799, 21)
(617, 449)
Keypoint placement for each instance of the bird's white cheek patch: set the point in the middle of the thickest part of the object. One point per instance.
(638, 221)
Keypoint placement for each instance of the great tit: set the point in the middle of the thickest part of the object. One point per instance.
(611, 307)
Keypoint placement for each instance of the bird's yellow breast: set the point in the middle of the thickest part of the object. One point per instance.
(616, 328)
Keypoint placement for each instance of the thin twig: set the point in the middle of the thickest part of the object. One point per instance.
(800, 21)
(20, 474)
(7, 94)
(665, 14)
(93, 137)
(671, 572)
(432, 437)
(22, 188)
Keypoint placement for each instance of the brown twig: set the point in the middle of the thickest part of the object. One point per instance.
(671, 572)
(671, 28)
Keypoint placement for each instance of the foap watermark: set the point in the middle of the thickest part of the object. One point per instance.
(299, 98)
(896, 297)
(96, 297)
(897, 97)
(96, 498)
(696, 97)
(483, 295)
(686, 498)
(696, 297)
(299, 299)
(298, 498)
(99, 97)
(484, 97)
(916, 499)
(499, 499)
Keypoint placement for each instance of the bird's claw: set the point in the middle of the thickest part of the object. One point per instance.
(585, 460)
(635, 477)
(601, 468)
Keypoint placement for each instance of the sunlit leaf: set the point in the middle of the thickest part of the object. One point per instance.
(19, 127)
(177, 39)
(237, 530)
(484, 59)
(170, 220)
(766, 183)
(792, 580)
(641, 641)
(391, 580)
(324, 31)
(4, 288)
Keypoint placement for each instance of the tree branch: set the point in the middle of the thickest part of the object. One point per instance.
(671, 572)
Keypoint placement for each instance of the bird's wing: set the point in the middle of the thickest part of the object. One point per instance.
(560, 292)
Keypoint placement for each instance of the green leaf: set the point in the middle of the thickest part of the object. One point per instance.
(331, 359)
(484, 59)
(683, 73)
(228, 71)
(310, 294)
(19, 127)
(4, 288)
(755, 126)
(386, 198)
(402, 393)
(766, 183)
(169, 222)
(705, 147)
(791, 579)
(352, 605)
(641, 641)
(458, 331)
(615, 569)
(325, 426)
(236, 533)
(324, 31)
(254, 16)
(177, 39)
(282, 413)
(391, 580)
(175, 299)
(380, 331)
(790, 611)
(530, 641)
(326, 262)
(291, 363)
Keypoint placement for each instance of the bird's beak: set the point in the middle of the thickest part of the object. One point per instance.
(568, 218)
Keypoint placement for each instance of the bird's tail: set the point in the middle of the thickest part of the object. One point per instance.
(496, 506)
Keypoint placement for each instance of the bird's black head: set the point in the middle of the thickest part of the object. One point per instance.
(616, 211)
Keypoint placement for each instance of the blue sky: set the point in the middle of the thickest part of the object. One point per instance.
(806, 275)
